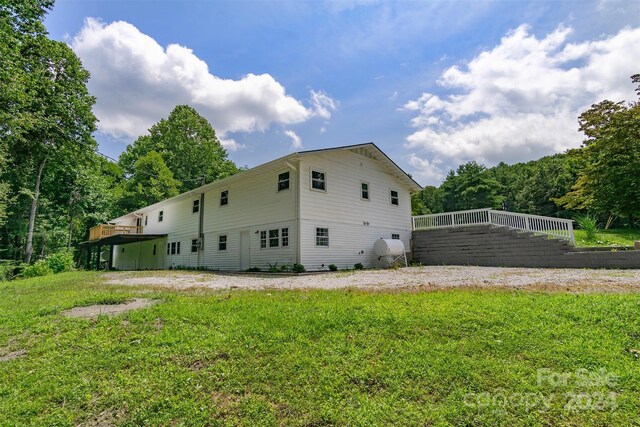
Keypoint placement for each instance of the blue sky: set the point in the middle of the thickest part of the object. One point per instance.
(433, 84)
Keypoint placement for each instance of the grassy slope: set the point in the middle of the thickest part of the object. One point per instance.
(308, 358)
(613, 237)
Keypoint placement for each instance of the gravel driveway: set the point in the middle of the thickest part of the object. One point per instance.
(429, 278)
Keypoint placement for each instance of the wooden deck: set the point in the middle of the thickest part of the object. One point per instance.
(107, 230)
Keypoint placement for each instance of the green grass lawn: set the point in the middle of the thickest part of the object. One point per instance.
(612, 237)
(315, 358)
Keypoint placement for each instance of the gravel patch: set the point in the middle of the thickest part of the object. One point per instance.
(433, 277)
(91, 311)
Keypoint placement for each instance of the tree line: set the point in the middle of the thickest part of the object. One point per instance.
(54, 183)
(601, 178)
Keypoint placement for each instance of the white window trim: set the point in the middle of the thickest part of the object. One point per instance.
(220, 205)
(390, 198)
(315, 236)
(368, 191)
(278, 181)
(326, 185)
(226, 242)
(193, 204)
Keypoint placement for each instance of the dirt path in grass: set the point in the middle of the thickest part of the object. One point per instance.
(438, 277)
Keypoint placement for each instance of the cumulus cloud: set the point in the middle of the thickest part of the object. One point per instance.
(521, 99)
(230, 144)
(137, 82)
(296, 142)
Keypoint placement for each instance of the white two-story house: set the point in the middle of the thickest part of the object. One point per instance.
(313, 208)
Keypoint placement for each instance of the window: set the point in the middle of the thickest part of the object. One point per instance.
(224, 198)
(394, 197)
(194, 245)
(222, 242)
(146, 219)
(138, 221)
(122, 251)
(283, 181)
(285, 237)
(154, 249)
(322, 237)
(168, 248)
(395, 236)
(175, 248)
(318, 181)
(364, 190)
(263, 239)
(274, 238)
(196, 206)
(160, 216)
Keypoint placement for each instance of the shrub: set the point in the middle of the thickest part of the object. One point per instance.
(333, 267)
(253, 270)
(298, 268)
(60, 262)
(38, 268)
(588, 223)
(358, 266)
(284, 268)
(7, 269)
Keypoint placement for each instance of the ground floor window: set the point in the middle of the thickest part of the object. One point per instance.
(395, 236)
(263, 239)
(154, 249)
(194, 245)
(274, 238)
(285, 237)
(173, 248)
(222, 242)
(322, 236)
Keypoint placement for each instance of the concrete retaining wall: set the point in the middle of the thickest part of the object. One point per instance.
(487, 245)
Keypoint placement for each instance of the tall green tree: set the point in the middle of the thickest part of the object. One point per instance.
(151, 182)
(610, 180)
(45, 108)
(429, 200)
(189, 146)
(471, 186)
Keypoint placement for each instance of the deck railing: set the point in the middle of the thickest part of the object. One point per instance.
(556, 227)
(106, 230)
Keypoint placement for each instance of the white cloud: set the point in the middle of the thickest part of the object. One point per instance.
(296, 142)
(137, 82)
(521, 99)
(323, 104)
(230, 144)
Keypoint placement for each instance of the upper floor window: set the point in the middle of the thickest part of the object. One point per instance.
(283, 181)
(139, 221)
(196, 206)
(394, 197)
(318, 180)
(224, 198)
(322, 236)
(222, 242)
(364, 190)
(146, 219)
(160, 216)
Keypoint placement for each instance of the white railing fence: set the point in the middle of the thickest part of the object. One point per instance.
(556, 227)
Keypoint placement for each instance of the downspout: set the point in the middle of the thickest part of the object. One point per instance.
(201, 229)
(296, 200)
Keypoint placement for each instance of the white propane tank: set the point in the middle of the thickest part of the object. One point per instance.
(388, 247)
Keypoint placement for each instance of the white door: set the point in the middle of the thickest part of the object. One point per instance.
(244, 250)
